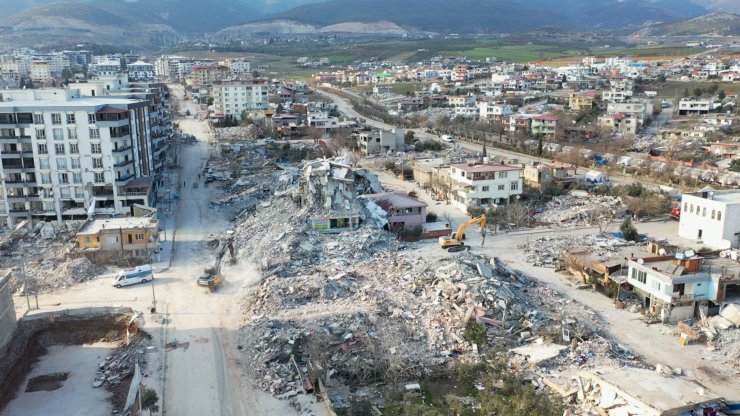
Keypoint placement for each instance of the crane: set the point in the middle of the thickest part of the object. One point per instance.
(456, 238)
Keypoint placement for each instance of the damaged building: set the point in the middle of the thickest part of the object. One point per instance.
(329, 188)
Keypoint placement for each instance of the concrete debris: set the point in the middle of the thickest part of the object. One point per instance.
(574, 210)
(46, 264)
(237, 134)
(121, 362)
(550, 250)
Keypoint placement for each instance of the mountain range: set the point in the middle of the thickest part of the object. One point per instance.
(152, 22)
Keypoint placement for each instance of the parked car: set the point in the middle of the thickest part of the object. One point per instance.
(140, 274)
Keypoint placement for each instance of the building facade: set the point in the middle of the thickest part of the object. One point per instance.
(481, 185)
(104, 241)
(64, 156)
(236, 97)
(712, 217)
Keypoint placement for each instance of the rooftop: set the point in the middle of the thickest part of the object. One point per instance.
(726, 197)
(655, 393)
(397, 200)
(484, 167)
(94, 226)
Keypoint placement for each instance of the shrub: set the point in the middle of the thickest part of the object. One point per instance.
(431, 217)
(629, 232)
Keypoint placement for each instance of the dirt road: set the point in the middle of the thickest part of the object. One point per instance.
(203, 377)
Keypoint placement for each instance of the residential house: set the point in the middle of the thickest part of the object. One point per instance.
(538, 175)
(455, 101)
(579, 101)
(545, 124)
(639, 109)
(480, 185)
(119, 239)
(382, 141)
(712, 217)
(494, 112)
(410, 104)
(405, 212)
(620, 122)
(694, 105)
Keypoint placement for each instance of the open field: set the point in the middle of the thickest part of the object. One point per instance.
(675, 89)
(659, 51)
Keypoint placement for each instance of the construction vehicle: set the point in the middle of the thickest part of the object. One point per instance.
(213, 277)
(676, 213)
(452, 242)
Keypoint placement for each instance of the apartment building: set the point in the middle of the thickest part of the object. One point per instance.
(638, 109)
(381, 141)
(64, 156)
(545, 124)
(106, 66)
(693, 105)
(205, 75)
(621, 122)
(40, 71)
(480, 185)
(115, 239)
(712, 217)
(579, 101)
(494, 111)
(235, 97)
(140, 71)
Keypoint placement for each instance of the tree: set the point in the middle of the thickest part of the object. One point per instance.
(279, 109)
(602, 218)
(686, 93)
(539, 145)
(209, 101)
(713, 88)
(629, 232)
(149, 400)
(735, 165)
(408, 137)
(721, 95)
(698, 92)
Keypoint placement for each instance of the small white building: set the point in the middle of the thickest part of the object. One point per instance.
(712, 217)
(382, 141)
(695, 105)
(480, 185)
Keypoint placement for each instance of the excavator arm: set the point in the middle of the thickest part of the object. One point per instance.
(456, 239)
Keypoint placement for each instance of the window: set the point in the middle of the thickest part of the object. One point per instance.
(74, 148)
(501, 187)
(45, 178)
(64, 192)
(38, 119)
(79, 193)
(94, 133)
(502, 175)
(514, 186)
(63, 178)
(59, 149)
(714, 212)
(139, 236)
(70, 118)
(77, 177)
(61, 163)
(41, 134)
(95, 148)
(42, 149)
(691, 208)
(656, 285)
(719, 215)
(91, 118)
(44, 163)
(639, 275)
(111, 239)
(99, 177)
(75, 163)
(56, 118)
(98, 162)
(704, 212)
(58, 134)
(72, 133)
(485, 188)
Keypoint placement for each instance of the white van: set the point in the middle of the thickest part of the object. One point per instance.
(140, 274)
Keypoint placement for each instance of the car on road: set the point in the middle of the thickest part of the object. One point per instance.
(140, 274)
(448, 138)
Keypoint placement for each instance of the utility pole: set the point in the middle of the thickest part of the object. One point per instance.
(25, 283)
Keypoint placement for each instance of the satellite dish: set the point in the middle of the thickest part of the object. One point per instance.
(640, 261)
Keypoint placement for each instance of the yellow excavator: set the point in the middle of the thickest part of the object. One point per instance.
(455, 240)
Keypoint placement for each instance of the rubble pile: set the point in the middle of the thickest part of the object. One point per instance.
(46, 261)
(237, 134)
(414, 309)
(549, 250)
(574, 210)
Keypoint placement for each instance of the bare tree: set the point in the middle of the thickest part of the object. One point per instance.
(517, 214)
(602, 217)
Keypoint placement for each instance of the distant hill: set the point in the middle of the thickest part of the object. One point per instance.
(462, 16)
(713, 24)
(496, 16)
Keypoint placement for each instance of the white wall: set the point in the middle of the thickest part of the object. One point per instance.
(718, 234)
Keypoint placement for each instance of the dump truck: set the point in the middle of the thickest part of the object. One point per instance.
(454, 242)
(212, 276)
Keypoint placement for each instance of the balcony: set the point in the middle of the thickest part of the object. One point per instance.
(15, 139)
(124, 163)
(124, 179)
(122, 149)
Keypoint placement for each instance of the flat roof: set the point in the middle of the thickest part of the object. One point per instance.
(667, 395)
(82, 103)
(94, 226)
(727, 197)
(397, 199)
(484, 167)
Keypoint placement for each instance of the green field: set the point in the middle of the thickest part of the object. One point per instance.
(666, 51)
(402, 88)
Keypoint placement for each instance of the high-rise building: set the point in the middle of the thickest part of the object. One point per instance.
(64, 156)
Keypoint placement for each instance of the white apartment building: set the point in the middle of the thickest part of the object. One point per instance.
(695, 105)
(106, 66)
(494, 110)
(235, 97)
(321, 120)
(481, 185)
(63, 156)
(382, 141)
(140, 71)
(237, 66)
(639, 109)
(712, 217)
